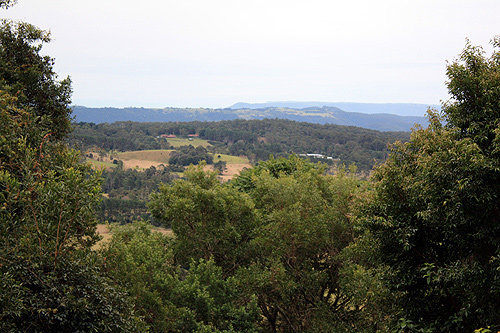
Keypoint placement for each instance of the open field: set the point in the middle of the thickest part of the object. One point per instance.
(143, 159)
(140, 159)
(231, 159)
(234, 164)
(177, 142)
(160, 156)
(99, 164)
(102, 230)
(233, 170)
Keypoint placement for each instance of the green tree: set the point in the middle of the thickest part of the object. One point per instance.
(30, 77)
(302, 277)
(220, 166)
(49, 277)
(196, 299)
(210, 220)
(435, 207)
(474, 109)
(284, 231)
(186, 155)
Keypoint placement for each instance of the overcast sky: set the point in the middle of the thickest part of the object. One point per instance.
(213, 53)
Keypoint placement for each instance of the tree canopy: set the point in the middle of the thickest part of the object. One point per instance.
(282, 229)
(49, 277)
(256, 139)
(30, 76)
(436, 205)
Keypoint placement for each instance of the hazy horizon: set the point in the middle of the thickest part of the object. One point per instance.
(213, 54)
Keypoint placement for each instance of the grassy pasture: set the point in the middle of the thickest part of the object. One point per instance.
(143, 159)
(234, 164)
(177, 142)
(160, 156)
(231, 159)
(99, 164)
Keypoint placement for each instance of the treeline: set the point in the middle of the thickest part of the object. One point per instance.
(271, 251)
(126, 192)
(120, 136)
(256, 139)
(186, 155)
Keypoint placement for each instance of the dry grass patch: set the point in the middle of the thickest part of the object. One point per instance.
(159, 156)
(234, 170)
(140, 164)
(234, 165)
(168, 232)
(103, 230)
(231, 159)
(143, 159)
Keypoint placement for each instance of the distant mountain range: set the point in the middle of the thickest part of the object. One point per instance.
(382, 117)
(400, 109)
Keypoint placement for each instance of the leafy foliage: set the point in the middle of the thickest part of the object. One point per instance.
(186, 155)
(49, 279)
(196, 299)
(119, 136)
(280, 229)
(435, 210)
(299, 272)
(210, 220)
(7, 3)
(29, 76)
(128, 191)
(474, 86)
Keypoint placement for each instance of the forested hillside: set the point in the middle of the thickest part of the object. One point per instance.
(127, 190)
(256, 139)
(382, 121)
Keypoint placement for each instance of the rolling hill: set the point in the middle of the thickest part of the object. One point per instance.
(400, 109)
(313, 114)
